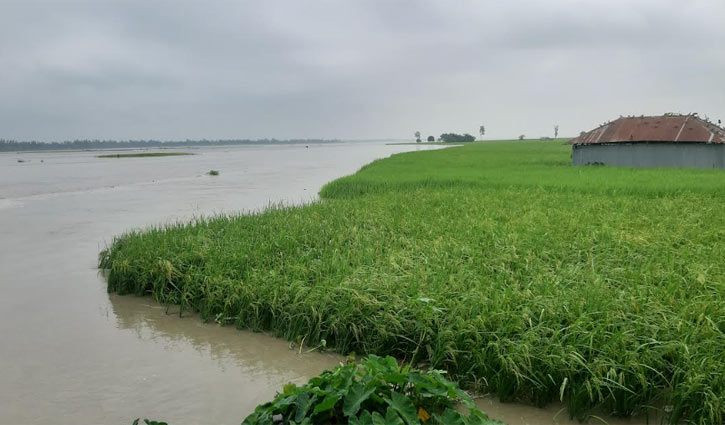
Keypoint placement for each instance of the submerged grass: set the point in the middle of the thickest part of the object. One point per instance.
(498, 262)
(143, 154)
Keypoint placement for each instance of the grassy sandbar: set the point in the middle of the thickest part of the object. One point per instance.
(499, 262)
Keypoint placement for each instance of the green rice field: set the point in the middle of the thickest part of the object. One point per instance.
(499, 262)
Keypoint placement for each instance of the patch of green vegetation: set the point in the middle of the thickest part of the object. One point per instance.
(377, 391)
(524, 165)
(213, 172)
(500, 263)
(456, 138)
(143, 154)
(421, 144)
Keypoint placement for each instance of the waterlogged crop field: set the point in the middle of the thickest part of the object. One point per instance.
(499, 262)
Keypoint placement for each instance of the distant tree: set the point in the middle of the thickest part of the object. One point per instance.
(556, 131)
(522, 137)
(456, 138)
(482, 130)
(417, 136)
(431, 139)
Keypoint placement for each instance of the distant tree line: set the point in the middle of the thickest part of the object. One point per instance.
(456, 138)
(465, 138)
(12, 145)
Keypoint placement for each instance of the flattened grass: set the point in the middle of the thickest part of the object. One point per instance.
(519, 274)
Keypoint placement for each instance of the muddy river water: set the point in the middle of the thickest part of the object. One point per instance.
(72, 354)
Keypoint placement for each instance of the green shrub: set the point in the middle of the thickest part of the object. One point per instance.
(377, 391)
(456, 138)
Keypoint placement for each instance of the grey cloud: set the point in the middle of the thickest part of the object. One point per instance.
(352, 69)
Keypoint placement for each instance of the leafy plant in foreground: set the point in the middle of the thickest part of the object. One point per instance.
(377, 391)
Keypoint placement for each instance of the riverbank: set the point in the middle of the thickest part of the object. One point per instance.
(117, 358)
(499, 262)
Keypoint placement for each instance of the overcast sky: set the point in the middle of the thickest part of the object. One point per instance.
(351, 69)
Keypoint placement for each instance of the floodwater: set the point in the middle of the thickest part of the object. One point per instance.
(72, 354)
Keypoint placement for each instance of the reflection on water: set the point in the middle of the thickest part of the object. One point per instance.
(257, 355)
(269, 363)
(235, 370)
(554, 414)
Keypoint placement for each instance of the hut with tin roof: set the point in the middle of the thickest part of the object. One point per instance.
(669, 140)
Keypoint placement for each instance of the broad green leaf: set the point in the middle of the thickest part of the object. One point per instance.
(395, 377)
(468, 404)
(258, 419)
(303, 402)
(450, 417)
(376, 398)
(426, 387)
(404, 406)
(391, 362)
(357, 395)
(479, 418)
(328, 403)
(378, 419)
(392, 418)
(366, 418)
(462, 394)
(281, 403)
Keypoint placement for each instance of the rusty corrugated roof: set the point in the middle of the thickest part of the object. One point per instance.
(662, 128)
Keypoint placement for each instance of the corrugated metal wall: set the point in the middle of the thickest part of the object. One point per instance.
(698, 155)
